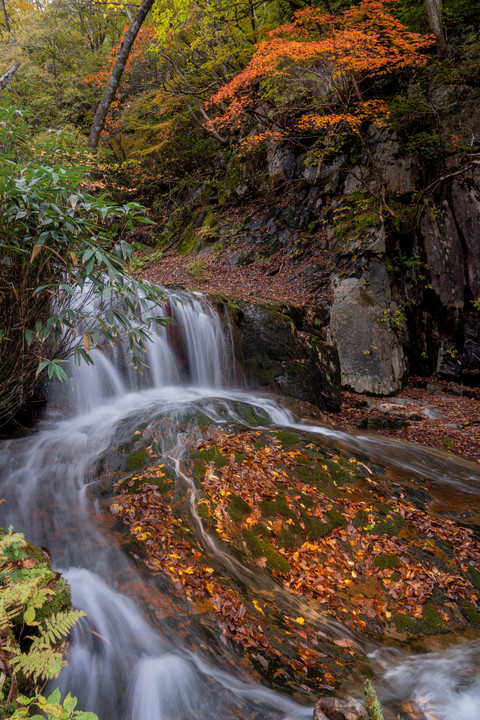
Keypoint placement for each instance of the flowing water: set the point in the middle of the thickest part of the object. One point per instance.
(125, 664)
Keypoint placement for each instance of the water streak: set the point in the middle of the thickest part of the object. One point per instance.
(121, 667)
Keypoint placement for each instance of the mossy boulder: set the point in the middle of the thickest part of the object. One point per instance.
(237, 508)
(282, 357)
(137, 460)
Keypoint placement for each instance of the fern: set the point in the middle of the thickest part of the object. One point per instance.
(28, 586)
(44, 659)
(41, 663)
(58, 625)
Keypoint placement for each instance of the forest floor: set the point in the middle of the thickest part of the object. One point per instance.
(431, 412)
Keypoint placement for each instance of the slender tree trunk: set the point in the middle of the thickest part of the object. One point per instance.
(117, 72)
(5, 79)
(434, 10)
(5, 16)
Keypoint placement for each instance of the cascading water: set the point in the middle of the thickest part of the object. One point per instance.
(121, 665)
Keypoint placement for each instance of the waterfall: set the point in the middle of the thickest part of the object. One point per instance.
(194, 349)
(121, 664)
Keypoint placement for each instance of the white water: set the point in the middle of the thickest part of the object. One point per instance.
(121, 667)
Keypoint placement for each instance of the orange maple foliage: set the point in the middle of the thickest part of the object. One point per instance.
(137, 55)
(340, 53)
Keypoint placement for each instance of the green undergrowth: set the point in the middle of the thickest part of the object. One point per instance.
(36, 617)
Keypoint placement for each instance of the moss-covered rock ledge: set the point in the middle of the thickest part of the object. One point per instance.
(326, 550)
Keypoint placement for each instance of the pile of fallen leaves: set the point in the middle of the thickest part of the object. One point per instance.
(365, 560)
(339, 551)
(157, 525)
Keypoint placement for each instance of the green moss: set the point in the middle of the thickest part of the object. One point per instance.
(315, 528)
(339, 475)
(405, 623)
(223, 301)
(360, 520)
(270, 508)
(202, 418)
(203, 509)
(336, 519)
(388, 521)
(212, 454)
(431, 619)
(474, 576)
(261, 548)
(238, 508)
(137, 460)
(313, 475)
(469, 612)
(240, 457)
(287, 438)
(386, 562)
(289, 538)
(261, 530)
(251, 416)
(198, 473)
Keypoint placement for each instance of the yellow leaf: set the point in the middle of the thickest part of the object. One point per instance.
(86, 342)
(300, 620)
(257, 606)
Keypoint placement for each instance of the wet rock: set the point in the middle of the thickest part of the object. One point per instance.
(278, 356)
(444, 254)
(336, 709)
(282, 164)
(371, 355)
(419, 709)
(392, 409)
(378, 422)
(449, 366)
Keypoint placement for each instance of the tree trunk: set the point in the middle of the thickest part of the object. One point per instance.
(5, 16)
(434, 10)
(5, 79)
(117, 72)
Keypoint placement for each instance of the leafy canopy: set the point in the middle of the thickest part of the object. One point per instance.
(333, 57)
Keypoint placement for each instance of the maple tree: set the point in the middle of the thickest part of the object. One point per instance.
(324, 64)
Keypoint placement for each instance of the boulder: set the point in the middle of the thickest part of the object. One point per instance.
(281, 358)
(371, 355)
(449, 366)
(336, 709)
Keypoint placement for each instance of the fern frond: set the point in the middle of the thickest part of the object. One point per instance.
(58, 625)
(42, 662)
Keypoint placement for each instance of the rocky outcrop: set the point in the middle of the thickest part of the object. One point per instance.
(330, 708)
(371, 355)
(444, 254)
(280, 357)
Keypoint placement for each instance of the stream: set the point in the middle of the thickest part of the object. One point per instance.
(125, 663)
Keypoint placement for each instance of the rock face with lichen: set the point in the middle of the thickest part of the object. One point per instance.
(371, 355)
